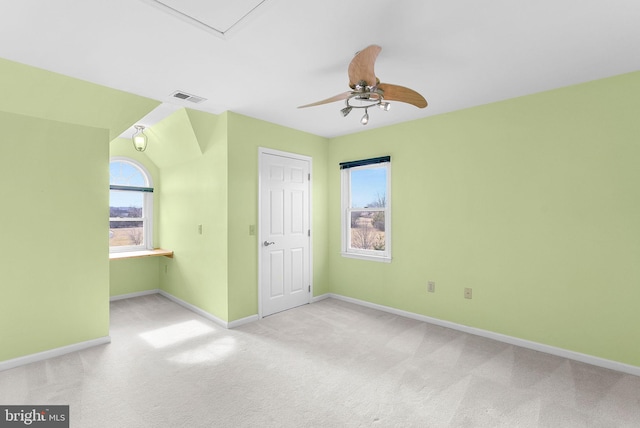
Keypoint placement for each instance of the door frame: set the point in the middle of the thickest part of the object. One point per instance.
(262, 151)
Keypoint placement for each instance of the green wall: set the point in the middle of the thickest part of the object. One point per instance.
(194, 192)
(54, 280)
(127, 276)
(54, 178)
(246, 135)
(208, 169)
(531, 202)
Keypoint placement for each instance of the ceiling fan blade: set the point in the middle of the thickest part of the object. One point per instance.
(402, 94)
(338, 97)
(361, 66)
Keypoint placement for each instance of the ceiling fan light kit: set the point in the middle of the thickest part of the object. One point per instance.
(365, 118)
(366, 89)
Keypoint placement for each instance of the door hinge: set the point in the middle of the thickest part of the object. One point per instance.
(309, 176)
(309, 289)
(308, 232)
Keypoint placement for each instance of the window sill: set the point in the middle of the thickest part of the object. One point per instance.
(144, 253)
(366, 257)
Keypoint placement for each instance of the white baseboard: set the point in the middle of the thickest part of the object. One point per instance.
(51, 353)
(132, 295)
(195, 309)
(243, 321)
(189, 306)
(320, 298)
(560, 352)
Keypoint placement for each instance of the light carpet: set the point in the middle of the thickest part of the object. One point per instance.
(328, 364)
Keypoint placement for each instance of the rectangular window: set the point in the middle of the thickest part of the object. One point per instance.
(126, 219)
(366, 209)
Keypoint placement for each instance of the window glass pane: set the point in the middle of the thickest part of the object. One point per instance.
(368, 187)
(126, 233)
(126, 174)
(367, 230)
(125, 204)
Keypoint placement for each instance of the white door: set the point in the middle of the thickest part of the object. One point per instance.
(284, 231)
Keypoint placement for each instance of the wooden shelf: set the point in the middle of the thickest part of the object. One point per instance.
(144, 253)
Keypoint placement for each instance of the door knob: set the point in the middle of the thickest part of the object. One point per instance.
(267, 243)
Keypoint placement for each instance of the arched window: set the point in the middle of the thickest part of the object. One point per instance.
(130, 206)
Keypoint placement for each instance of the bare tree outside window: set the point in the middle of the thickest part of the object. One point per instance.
(367, 227)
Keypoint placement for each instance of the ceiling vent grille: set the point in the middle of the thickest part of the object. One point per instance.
(188, 97)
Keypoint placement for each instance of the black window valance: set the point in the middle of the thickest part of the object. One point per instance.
(134, 188)
(363, 162)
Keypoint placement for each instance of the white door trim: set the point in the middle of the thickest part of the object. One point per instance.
(262, 151)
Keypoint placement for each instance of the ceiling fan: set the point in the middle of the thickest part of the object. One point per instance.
(366, 89)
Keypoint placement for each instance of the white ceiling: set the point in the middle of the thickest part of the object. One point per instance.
(264, 58)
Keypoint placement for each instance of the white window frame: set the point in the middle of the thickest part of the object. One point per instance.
(147, 210)
(356, 253)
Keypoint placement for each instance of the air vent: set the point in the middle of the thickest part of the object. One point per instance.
(188, 97)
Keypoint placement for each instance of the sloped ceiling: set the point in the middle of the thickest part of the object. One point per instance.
(34, 92)
(286, 53)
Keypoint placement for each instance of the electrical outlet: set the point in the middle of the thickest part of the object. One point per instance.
(200, 229)
(467, 293)
(431, 287)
